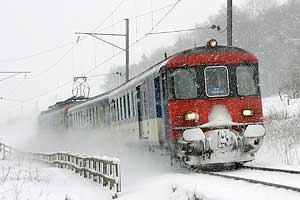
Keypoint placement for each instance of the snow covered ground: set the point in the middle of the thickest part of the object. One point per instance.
(145, 175)
(22, 180)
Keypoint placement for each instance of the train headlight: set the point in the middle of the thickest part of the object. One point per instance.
(212, 43)
(248, 113)
(191, 116)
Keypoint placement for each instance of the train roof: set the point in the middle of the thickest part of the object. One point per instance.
(155, 68)
(62, 104)
(128, 84)
(210, 50)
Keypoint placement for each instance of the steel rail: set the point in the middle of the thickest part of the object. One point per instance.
(271, 169)
(251, 181)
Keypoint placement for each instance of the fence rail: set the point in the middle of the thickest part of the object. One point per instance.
(103, 170)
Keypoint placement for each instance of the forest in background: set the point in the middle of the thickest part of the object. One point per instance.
(264, 27)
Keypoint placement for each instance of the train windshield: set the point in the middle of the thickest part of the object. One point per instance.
(216, 81)
(182, 84)
(246, 83)
(212, 81)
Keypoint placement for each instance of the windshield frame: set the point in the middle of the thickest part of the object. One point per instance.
(205, 81)
(201, 84)
(254, 79)
(171, 85)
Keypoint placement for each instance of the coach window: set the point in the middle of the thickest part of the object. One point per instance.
(182, 84)
(93, 116)
(145, 103)
(102, 114)
(216, 81)
(132, 103)
(118, 111)
(128, 106)
(121, 108)
(246, 83)
(124, 106)
(113, 111)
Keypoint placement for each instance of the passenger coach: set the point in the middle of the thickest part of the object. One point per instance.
(204, 104)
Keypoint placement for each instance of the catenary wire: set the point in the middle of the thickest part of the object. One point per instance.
(118, 53)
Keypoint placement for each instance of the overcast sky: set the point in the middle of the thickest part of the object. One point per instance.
(39, 36)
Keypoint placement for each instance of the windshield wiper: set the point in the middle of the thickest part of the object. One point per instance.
(193, 73)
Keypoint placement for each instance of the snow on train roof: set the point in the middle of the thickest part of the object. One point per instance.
(123, 87)
(209, 50)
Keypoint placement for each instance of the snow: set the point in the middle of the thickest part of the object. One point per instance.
(285, 108)
(255, 131)
(174, 184)
(34, 181)
(194, 134)
(145, 175)
(204, 187)
(219, 117)
(295, 155)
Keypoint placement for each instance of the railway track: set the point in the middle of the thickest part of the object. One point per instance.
(271, 169)
(255, 181)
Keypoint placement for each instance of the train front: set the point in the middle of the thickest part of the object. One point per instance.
(214, 109)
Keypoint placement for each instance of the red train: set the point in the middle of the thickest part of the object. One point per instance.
(203, 104)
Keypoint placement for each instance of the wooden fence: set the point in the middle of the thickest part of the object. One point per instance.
(103, 170)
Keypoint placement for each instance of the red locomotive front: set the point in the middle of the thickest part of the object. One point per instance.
(214, 105)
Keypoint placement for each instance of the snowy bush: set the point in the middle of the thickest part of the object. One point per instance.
(281, 136)
(18, 180)
(179, 193)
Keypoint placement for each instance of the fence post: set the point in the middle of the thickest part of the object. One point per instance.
(2, 150)
(4, 153)
(84, 166)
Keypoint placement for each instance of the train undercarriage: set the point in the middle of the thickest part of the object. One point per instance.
(219, 146)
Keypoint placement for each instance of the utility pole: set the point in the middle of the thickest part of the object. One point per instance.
(126, 49)
(229, 22)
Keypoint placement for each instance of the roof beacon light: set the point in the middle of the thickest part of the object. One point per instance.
(212, 43)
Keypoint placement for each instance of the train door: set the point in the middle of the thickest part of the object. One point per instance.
(158, 106)
(139, 110)
(165, 110)
(157, 97)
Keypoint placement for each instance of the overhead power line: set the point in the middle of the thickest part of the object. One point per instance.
(169, 11)
(111, 14)
(153, 11)
(10, 99)
(46, 51)
(157, 23)
(186, 30)
(49, 91)
(110, 74)
(55, 63)
(14, 73)
(140, 39)
(117, 54)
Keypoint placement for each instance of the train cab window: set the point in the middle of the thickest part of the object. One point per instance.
(182, 84)
(246, 83)
(216, 81)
